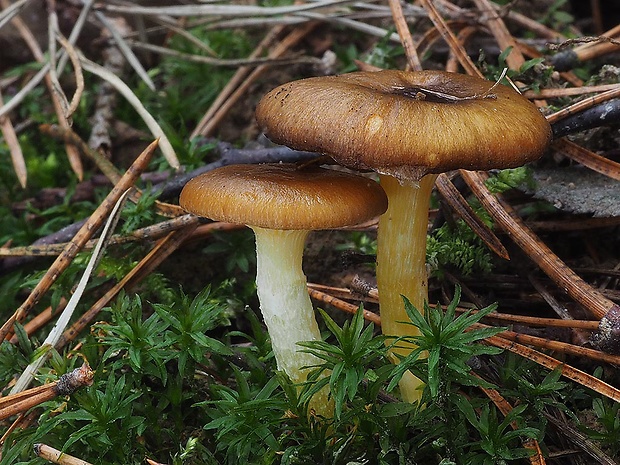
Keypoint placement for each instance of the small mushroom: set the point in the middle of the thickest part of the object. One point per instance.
(282, 204)
(407, 126)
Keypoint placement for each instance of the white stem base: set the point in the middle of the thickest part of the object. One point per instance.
(286, 305)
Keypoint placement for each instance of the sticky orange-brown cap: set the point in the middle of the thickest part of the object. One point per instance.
(406, 123)
(282, 196)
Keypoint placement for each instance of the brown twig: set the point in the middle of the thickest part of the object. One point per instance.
(588, 158)
(359, 291)
(208, 229)
(41, 319)
(233, 83)
(579, 224)
(569, 91)
(520, 19)
(557, 346)
(207, 125)
(463, 36)
(148, 233)
(82, 236)
(450, 39)
(586, 43)
(56, 456)
(550, 363)
(499, 30)
(64, 386)
(556, 269)
(370, 294)
(432, 35)
(458, 203)
(531, 24)
(342, 305)
(12, 142)
(584, 104)
(559, 310)
(77, 72)
(589, 325)
(405, 35)
(581, 440)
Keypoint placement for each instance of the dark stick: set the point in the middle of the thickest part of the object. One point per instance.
(600, 115)
(230, 155)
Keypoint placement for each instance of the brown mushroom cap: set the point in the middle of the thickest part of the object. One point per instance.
(281, 196)
(406, 123)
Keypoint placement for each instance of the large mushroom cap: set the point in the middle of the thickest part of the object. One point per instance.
(406, 123)
(282, 196)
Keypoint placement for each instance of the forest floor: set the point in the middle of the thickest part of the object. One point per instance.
(162, 345)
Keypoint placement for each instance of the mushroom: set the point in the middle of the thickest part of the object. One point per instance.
(282, 204)
(407, 126)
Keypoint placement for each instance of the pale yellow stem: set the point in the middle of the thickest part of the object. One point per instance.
(286, 306)
(401, 263)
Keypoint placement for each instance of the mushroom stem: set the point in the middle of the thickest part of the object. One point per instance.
(401, 263)
(285, 304)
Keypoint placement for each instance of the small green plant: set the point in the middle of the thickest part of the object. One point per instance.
(348, 363)
(146, 383)
(193, 452)
(246, 420)
(512, 178)
(541, 394)
(608, 430)
(163, 376)
(385, 53)
(171, 332)
(457, 246)
(450, 343)
(497, 440)
(140, 213)
(101, 408)
(63, 213)
(14, 356)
